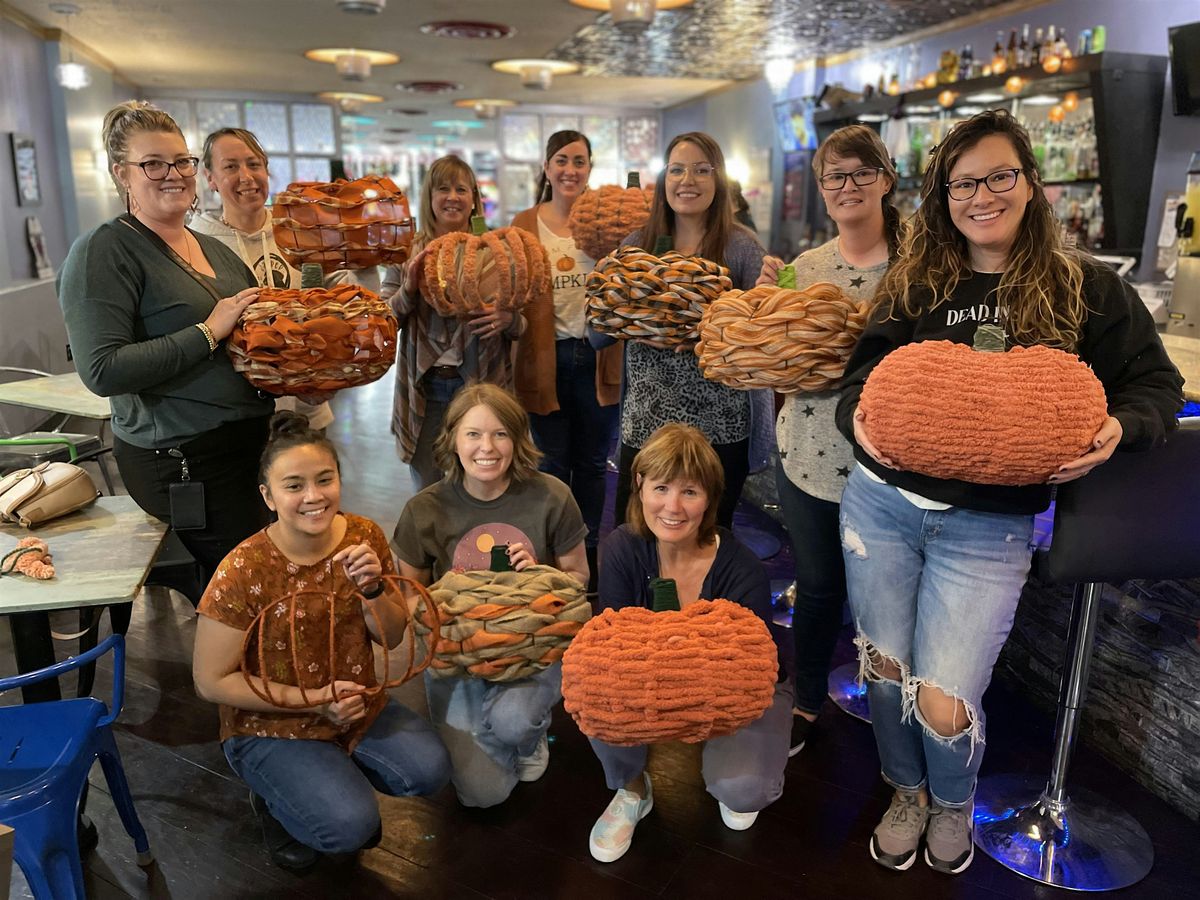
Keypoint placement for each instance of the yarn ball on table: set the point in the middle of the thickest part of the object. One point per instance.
(601, 218)
(786, 340)
(468, 273)
(943, 409)
(635, 676)
(31, 557)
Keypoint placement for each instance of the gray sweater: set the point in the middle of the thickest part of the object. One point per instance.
(131, 315)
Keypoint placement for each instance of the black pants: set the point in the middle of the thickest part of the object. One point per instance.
(735, 460)
(225, 461)
(813, 526)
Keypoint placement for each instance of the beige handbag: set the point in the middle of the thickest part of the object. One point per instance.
(47, 491)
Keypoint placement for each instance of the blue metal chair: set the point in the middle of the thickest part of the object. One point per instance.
(46, 752)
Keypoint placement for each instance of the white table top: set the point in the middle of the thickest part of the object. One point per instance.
(1185, 353)
(101, 555)
(57, 393)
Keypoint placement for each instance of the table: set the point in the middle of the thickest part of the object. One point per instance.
(1185, 353)
(56, 393)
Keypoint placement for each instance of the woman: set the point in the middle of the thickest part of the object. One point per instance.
(934, 567)
(235, 166)
(492, 494)
(858, 184)
(692, 208)
(147, 303)
(672, 532)
(313, 772)
(439, 355)
(570, 391)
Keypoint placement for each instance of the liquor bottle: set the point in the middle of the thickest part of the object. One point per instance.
(1084, 45)
(1035, 51)
(1060, 45)
(998, 53)
(893, 87)
(1023, 47)
(879, 88)
(1051, 40)
(1010, 54)
(965, 60)
(1099, 39)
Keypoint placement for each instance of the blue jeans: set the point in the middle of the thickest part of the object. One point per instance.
(575, 438)
(488, 725)
(438, 392)
(935, 592)
(812, 525)
(324, 797)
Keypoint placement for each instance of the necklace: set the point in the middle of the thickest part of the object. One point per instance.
(187, 248)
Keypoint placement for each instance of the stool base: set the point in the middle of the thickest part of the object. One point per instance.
(1083, 844)
(846, 692)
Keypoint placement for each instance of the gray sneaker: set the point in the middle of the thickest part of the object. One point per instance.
(898, 834)
(948, 839)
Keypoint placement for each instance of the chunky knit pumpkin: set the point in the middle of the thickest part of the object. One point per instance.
(635, 294)
(303, 341)
(30, 557)
(344, 224)
(600, 219)
(636, 676)
(942, 409)
(505, 268)
(787, 340)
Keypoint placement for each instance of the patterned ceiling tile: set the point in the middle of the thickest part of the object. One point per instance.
(729, 39)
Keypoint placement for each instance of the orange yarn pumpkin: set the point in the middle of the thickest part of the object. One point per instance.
(600, 219)
(343, 225)
(464, 273)
(942, 409)
(30, 557)
(636, 676)
(303, 341)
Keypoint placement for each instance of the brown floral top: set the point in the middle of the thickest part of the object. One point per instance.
(256, 575)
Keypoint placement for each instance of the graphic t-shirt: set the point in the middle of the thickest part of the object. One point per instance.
(569, 267)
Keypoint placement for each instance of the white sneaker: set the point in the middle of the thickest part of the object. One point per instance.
(613, 832)
(533, 766)
(736, 820)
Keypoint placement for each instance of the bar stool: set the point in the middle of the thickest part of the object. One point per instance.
(1136, 516)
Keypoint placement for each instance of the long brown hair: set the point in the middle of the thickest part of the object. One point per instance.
(1041, 289)
(865, 144)
(719, 223)
(556, 142)
(444, 171)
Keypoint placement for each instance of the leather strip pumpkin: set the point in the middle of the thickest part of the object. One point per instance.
(787, 340)
(600, 219)
(344, 224)
(303, 341)
(467, 273)
(942, 409)
(501, 626)
(635, 294)
(636, 676)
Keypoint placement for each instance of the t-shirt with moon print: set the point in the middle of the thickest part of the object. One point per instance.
(569, 268)
(444, 527)
(814, 455)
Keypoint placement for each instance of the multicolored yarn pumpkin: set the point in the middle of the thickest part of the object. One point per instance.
(309, 340)
(30, 557)
(343, 224)
(501, 626)
(504, 268)
(942, 409)
(787, 340)
(636, 676)
(601, 218)
(635, 294)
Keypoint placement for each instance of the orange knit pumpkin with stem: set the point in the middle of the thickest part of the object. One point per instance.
(601, 218)
(467, 273)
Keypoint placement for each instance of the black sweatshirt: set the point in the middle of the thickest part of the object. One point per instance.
(1119, 342)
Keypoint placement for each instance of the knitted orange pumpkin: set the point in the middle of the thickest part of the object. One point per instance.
(772, 337)
(942, 409)
(464, 273)
(636, 676)
(30, 557)
(600, 219)
(304, 341)
(343, 225)
(635, 294)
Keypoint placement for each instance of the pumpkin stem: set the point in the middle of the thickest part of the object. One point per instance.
(311, 276)
(666, 596)
(786, 278)
(633, 180)
(989, 339)
(500, 562)
(663, 244)
(478, 225)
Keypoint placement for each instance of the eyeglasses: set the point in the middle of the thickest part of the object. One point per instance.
(700, 171)
(998, 183)
(835, 181)
(157, 169)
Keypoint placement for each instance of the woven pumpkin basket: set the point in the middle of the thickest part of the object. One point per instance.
(305, 341)
(468, 273)
(502, 626)
(600, 219)
(344, 224)
(636, 676)
(946, 410)
(635, 294)
(786, 340)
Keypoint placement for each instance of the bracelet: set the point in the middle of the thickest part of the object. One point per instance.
(208, 336)
(374, 590)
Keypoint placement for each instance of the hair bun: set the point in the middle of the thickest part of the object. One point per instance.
(287, 424)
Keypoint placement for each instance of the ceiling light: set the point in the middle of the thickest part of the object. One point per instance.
(536, 74)
(920, 109)
(1041, 100)
(349, 101)
(484, 108)
(632, 16)
(352, 64)
(778, 72)
(985, 97)
(71, 75)
(368, 7)
(968, 110)
(872, 117)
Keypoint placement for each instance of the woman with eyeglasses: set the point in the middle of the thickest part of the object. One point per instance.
(934, 567)
(147, 303)
(858, 186)
(693, 209)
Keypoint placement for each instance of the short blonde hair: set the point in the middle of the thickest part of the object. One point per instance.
(512, 417)
(676, 451)
(125, 120)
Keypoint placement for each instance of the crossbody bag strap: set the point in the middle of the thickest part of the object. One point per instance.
(162, 245)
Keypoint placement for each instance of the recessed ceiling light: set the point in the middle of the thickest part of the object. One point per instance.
(1041, 100)
(428, 87)
(470, 31)
(352, 96)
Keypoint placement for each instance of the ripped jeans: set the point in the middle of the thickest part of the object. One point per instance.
(936, 592)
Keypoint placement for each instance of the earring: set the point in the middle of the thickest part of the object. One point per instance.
(546, 191)
(127, 209)
(195, 203)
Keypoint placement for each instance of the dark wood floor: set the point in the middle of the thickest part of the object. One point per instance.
(811, 843)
